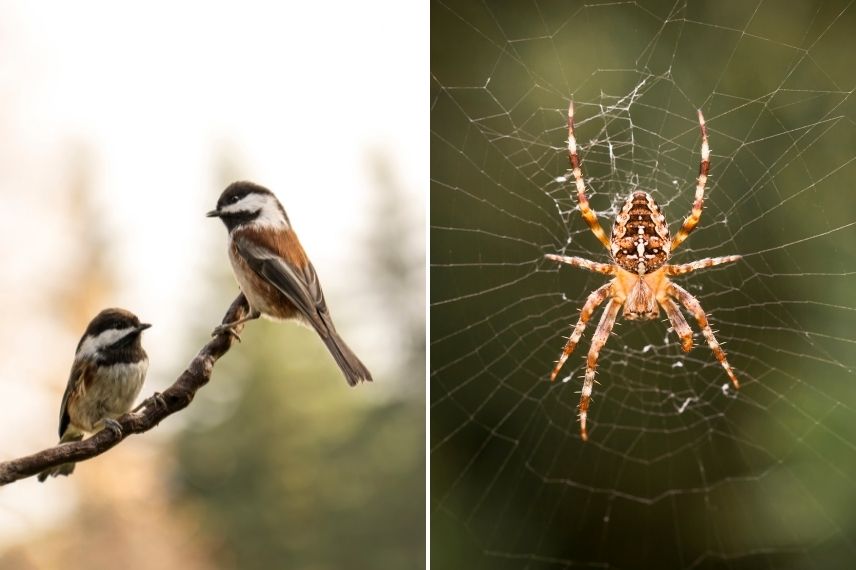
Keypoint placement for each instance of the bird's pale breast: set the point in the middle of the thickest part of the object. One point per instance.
(109, 394)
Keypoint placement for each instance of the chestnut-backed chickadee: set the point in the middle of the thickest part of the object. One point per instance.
(106, 377)
(273, 271)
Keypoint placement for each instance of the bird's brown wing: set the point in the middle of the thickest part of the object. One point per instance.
(74, 389)
(297, 280)
(299, 284)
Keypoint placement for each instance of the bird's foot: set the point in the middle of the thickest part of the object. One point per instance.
(112, 425)
(155, 399)
(226, 329)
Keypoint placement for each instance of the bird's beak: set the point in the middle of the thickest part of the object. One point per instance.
(143, 326)
(213, 214)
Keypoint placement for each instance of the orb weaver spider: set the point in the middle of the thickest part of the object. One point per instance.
(640, 246)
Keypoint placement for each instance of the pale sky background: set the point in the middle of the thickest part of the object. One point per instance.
(303, 93)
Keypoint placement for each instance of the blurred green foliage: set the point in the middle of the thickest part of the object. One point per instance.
(304, 472)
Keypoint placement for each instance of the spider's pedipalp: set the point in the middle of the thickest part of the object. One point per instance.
(679, 323)
(692, 220)
(592, 302)
(607, 321)
(694, 307)
(588, 215)
(700, 264)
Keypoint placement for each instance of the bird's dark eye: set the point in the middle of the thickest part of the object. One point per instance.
(235, 199)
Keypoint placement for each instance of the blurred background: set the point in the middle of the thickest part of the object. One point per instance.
(679, 471)
(121, 126)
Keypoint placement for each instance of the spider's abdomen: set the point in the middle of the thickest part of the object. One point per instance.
(640, 236)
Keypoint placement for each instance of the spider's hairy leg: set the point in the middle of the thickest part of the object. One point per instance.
(679, 323)
(588, 215)
(604, 327)
(592, 302)
(704, 168)
(605, 268)
(700, 264)
(694, 307)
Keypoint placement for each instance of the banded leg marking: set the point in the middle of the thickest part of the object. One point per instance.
(604, 268)
(588, 215)
(694, 307)
(703, 170)
(592, 302)
(700, 264)
(604, 327)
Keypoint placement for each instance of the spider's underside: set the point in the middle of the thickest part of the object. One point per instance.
(640, 246)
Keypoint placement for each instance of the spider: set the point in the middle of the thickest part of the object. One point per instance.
(640, 246)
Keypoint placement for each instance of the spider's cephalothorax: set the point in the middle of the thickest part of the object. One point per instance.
(640, 248)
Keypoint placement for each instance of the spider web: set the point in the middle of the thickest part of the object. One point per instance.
(679, 470)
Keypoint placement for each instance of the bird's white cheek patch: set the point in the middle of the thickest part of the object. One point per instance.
(93, 344)
(271, 217)
(269, 214)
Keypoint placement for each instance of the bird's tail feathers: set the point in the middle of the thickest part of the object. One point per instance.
(353, 369)
(63, 468)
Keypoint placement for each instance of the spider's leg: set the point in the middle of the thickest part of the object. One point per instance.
(700, 264)
(679, 323)
(704, 168)
(594, 299)
(604, 327)
(588, 215)
(605, 268)
(693, 306)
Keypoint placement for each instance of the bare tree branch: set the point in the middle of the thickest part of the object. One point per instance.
(175, 398)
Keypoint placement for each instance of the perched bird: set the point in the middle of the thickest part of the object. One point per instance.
(273, 271)
(106, 377)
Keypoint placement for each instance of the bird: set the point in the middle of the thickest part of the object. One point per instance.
(274, 272)
(106, 377)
